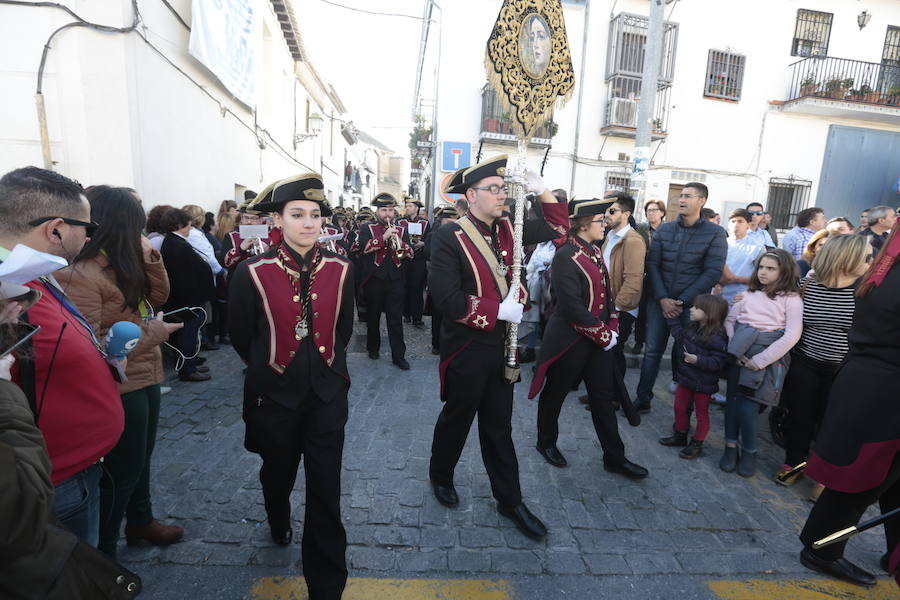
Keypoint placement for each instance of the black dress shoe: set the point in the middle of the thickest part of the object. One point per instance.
(527, 523)
(402, 364)
(642, 407)
(435, 351)
(628, 469)
(553, 456)
(200, 360)
(841, 568)
(373, 355)
(445, 494)
(202, 369)
(283, 538)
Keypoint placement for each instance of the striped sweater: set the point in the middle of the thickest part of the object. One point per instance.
(827, 317)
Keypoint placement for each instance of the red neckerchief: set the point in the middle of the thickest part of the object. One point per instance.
(887, 260)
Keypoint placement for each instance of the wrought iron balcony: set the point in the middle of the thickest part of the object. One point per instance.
(623, 98)
(844, 87)
(497, 126)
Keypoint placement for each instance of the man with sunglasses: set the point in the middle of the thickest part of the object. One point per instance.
(624, 252)
(68, 382)
(757, 232)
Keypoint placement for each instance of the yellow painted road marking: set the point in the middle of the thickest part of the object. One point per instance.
(801, 589)
(294, 588)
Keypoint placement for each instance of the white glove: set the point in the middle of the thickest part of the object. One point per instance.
(533, 183)
(511, 309)
(612, 343)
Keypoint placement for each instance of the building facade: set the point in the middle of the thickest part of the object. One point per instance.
(790, 103)
(135, 108)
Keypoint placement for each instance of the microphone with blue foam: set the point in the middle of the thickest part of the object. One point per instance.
(121, 339)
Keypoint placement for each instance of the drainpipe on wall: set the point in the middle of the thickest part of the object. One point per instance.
(45, 133)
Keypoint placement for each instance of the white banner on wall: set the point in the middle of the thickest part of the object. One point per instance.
(224, 38)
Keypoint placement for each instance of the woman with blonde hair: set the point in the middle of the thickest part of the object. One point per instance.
(828, 304)
(812, 248)
(198, 241)
(227, 218)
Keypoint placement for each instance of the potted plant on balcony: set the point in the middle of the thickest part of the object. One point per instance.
(808, 86)
(867, 94)
(893, 96)
(837, 87)
(657, 125)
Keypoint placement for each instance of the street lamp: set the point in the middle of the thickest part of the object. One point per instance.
(315, 122)
(863, 18)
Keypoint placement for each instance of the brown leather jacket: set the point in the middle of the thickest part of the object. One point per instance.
(92, 287)
(626, 269)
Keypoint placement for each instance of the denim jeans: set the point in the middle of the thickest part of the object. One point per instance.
(654, 346)
(76, 504)
(741, 414)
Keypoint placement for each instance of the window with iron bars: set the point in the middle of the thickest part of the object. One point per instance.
(618, 181)
(890, 61)
(811, 33)
(724, 75)
(787, 197)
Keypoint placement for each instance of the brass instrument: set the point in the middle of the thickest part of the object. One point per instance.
(396, 241)
(325, 238)
(257, 248)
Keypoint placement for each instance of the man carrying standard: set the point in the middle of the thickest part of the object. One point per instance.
(471, 264)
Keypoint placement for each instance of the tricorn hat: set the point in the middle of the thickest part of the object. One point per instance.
(454, 184)
(492, 167)
(447, 212)
(308, 186)
(411, 200)
(384, 200)
(587, 208)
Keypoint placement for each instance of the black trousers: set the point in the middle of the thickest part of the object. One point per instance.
(437, 317)
(384, 296)
(588, 361)
(284, 436)
(416, 276)
(475, 385)
(835, 510)
(626, 324)
(805, 395)
(640, 325)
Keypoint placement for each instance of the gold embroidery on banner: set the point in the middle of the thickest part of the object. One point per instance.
(528, 61)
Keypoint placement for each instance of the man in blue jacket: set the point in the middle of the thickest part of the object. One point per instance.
(686, 259)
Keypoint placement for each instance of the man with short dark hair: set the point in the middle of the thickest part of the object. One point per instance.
(686, 259)
(809, 221)
(416, 270)
(743, 251)
(881, 219)
(839, 226)
(757, 231)
(624, 252)
(76, 404)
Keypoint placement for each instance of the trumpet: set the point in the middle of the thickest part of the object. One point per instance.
(396, 241)
(257, 248)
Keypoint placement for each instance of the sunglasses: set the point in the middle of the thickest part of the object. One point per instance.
(90, 228)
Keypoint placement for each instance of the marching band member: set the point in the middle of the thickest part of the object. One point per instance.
(578, 339)
(384, 247)
(291, 318)
(442, 216)
(416, 270)
(237, 249)
(471, 262)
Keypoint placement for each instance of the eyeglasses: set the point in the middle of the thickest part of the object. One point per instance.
(652, 209)
(612, 210)
(493, 188)
(90, 228)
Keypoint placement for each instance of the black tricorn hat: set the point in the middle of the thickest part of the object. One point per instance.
(454, 184)
(447, 212)
(384, 200)
(587, 208)
(492, 167)
(411, 200)
(308, 186)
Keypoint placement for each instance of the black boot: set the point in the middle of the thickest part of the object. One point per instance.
(692, 450)
(678, 438)
(729, 460)
(747, 464)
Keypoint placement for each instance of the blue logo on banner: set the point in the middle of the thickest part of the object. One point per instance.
(455, 155)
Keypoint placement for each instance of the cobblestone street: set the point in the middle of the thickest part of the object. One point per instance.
(687, 519)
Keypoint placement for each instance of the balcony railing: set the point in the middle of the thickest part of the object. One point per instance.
(623, 98)
(845, 80)
(498, 126)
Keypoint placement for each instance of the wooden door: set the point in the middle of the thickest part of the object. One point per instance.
(672, 204)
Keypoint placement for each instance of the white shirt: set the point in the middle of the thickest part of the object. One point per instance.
(762, 236)
(614, 238)
(199, 243)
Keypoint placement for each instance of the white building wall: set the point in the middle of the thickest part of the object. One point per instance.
(737, 146)
(118, 113)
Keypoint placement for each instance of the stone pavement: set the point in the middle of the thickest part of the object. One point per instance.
(687, 518)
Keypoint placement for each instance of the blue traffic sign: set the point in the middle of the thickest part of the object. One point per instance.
(455, 155)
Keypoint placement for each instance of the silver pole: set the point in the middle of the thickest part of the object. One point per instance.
(435, 184)
(512, 340)
(647, 105)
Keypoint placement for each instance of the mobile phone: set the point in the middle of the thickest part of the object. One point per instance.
(25, 331)
(180, 315)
